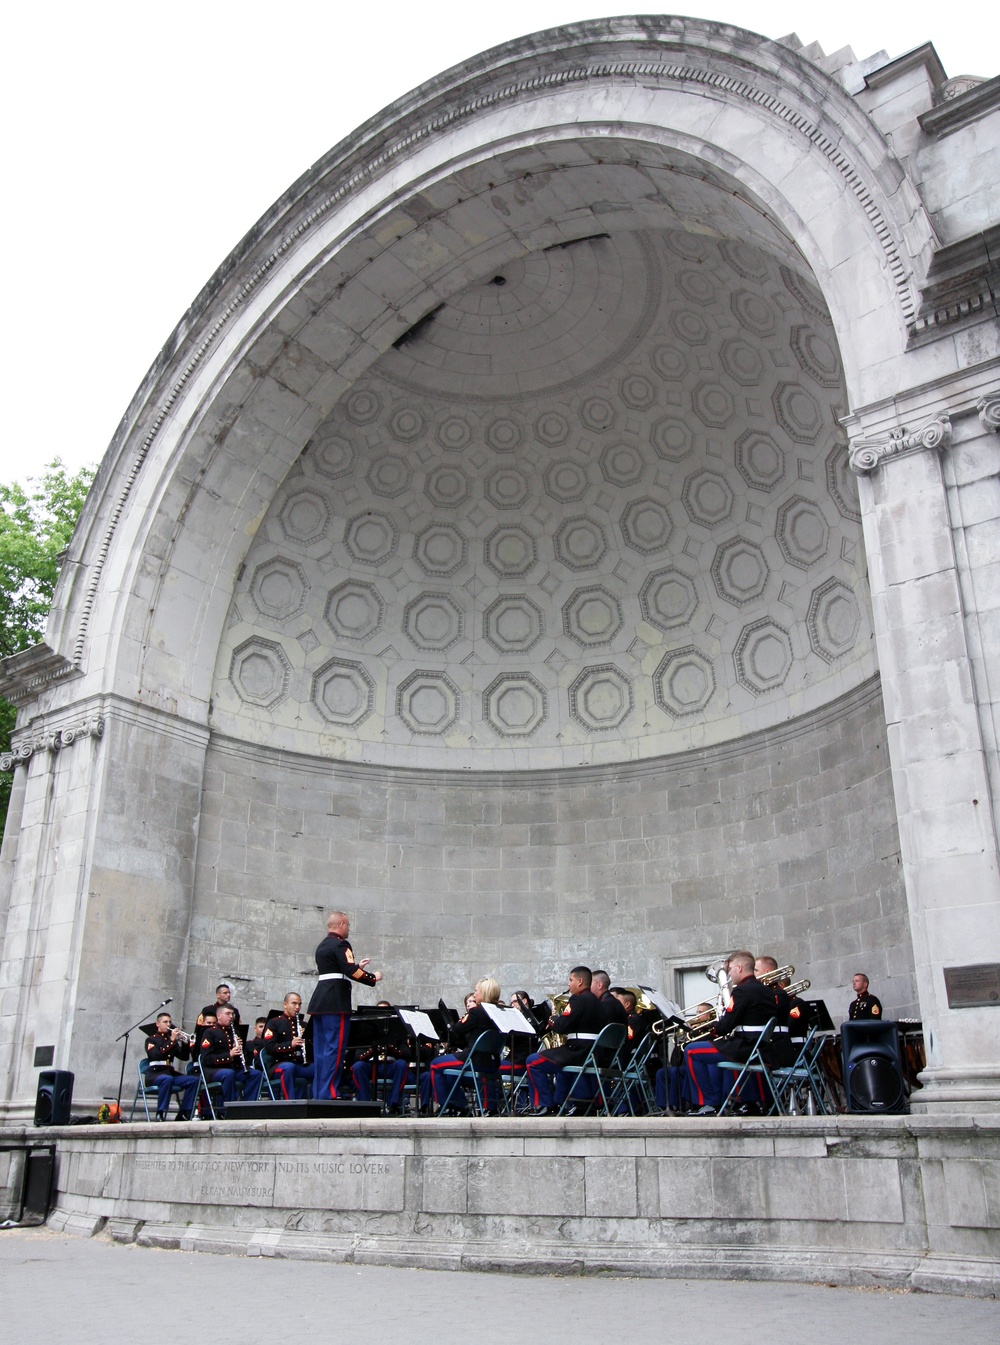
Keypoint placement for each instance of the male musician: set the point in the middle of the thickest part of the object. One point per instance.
(462, 1037)
(673, 1084)
(286, 1045)
(864, 1005)
(330, 1005)
(255, 1042)
(223, 995)
(388, 1062)
(163, 1046)
(580, 1022)
(736, 1032)
(224, 1061)
(766, 965)
(611, 1007)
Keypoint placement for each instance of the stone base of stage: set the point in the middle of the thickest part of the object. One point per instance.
(905, 1201)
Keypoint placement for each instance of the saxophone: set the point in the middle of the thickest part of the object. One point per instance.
(553, 1039)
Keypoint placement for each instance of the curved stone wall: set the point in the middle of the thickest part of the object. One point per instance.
(785, 842)
(596, 507)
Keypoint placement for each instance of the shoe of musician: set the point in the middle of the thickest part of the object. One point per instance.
(705, 1111)
(748, 1109)
(544, 1111)
(161, 1115)
(183, 1116)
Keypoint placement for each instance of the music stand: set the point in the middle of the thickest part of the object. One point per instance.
(513, 1023)
(124, 1038)
(419, 1023)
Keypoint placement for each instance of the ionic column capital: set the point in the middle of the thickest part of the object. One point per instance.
(866, 455)
(989, 411)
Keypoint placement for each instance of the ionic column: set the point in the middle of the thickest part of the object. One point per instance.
(923, 576)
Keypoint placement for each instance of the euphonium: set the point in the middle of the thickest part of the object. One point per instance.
(553, 1039)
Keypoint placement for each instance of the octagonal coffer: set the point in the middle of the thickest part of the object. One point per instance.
(601, 698)
(428, 702)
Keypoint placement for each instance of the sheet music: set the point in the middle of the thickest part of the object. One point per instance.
(419, 1023)
(510, 1020)
(667, 1007)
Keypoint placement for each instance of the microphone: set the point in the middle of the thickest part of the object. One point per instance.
(166, 1002)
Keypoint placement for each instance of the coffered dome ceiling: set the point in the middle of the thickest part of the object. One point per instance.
(596, 507)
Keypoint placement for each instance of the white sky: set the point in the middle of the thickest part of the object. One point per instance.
(143, 141)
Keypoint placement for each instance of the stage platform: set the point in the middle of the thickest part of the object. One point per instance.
(904, 1201)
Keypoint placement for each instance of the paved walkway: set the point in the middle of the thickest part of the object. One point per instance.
(59, 1288)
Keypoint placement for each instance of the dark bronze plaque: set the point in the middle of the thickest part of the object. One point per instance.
(44, 1055)
(973, 987)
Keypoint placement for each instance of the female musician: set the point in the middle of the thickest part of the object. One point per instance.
(461, 1038)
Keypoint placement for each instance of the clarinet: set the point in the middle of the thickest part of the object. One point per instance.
(238, 1041)
(300, 1031)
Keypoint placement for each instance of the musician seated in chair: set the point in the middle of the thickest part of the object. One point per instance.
(163, 1046)
(224, 1061)
(461, 1038)
(734, 1036)
(385, 1061)
(286, 1044)
(673, 1085)
(580, 1023)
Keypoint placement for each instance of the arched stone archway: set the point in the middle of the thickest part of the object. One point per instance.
(593, 528)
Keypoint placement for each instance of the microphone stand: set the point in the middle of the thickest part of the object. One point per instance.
(124, 1038)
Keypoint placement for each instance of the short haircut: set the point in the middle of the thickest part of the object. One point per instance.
(489, 990)
(601, 976)
(863, 977)
(625, 994)
(223, 985)
(743, 959)
(289, 996)
(584, 974)
(162, 1015)
(258, 1021)
(768, 962)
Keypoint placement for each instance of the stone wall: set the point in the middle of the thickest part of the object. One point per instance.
(902, 1201)
(785, 842)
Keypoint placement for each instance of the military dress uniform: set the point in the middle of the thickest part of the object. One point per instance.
(736, 1036)
(865, 1006)
(215, 1046)
(295, 1077)
(330, 1011)
(580, 1022)
(161, 1051)
(381, 1062)
(462, 1037)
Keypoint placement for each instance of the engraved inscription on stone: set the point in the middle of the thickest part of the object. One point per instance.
(973, 987)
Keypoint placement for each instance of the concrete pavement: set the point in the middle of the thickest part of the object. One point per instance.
(78, 1291)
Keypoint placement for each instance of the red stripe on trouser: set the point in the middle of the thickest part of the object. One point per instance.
(284, 1085)
(339, 1060)
(689, 1055)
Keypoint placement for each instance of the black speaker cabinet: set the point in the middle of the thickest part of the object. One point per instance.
(54, 1098)
(873, 1070)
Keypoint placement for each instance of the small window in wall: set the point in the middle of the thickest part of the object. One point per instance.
(696, 987)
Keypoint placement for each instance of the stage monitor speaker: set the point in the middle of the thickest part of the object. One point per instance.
(873, 1069)
(54, 1098)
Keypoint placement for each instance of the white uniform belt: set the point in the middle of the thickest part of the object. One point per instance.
(334, 976)
(582, 1036)
(758, 1030)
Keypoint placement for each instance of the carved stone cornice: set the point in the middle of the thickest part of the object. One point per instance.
(26, 674)
(51, 740)
(989, 411)
(869, 454)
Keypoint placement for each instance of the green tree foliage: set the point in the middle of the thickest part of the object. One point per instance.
(36, 523)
